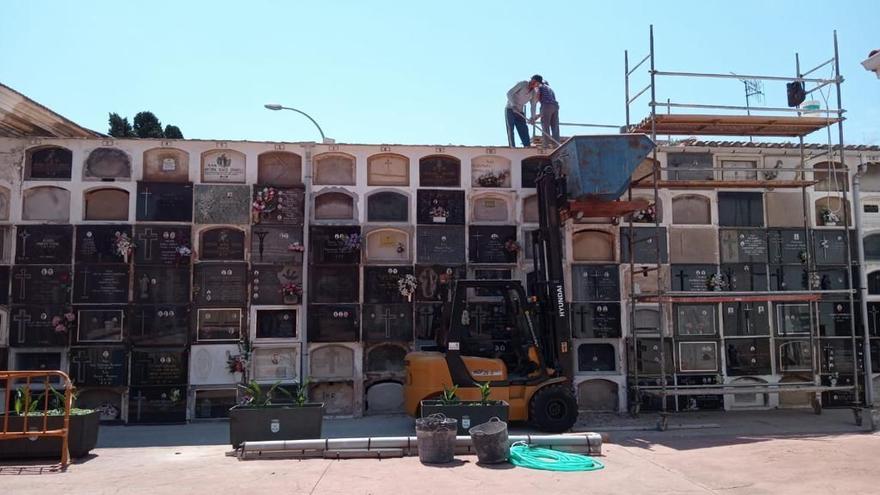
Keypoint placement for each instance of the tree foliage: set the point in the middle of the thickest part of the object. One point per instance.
(173, 132)
(119, 126)
(146, 125)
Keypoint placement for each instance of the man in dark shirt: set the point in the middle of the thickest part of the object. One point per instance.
(549, 111)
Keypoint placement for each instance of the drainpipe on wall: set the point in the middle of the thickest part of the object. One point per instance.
(309, 149)
(863, 286)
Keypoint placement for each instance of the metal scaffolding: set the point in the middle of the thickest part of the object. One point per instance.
(745, 121)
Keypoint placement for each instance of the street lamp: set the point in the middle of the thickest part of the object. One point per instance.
(275, 106)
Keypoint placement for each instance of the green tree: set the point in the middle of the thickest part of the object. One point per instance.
(119, 126)
(173, 132)
(146, 125)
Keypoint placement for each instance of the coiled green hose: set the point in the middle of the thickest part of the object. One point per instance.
(524, 455)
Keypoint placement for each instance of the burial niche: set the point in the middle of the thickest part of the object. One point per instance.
(830, 176)
(331, 362)
(385, 358)
(48, 163)
(597, 395)
(387, 206)
(530, 209)
(47, 203)
(4, 203)
(439, 171)
(334, 169)
(530, 167)
(334, 205)
(832, 211)
(166, 165)
(691, 209)
(871, 178)
(106, 204)
(388, 169)
(107, 164)
(385, 398)
(387, 245)
(593, 245)
(491, 208)
(279, 169)
(490, 171)
(223, 166)
(596, 357)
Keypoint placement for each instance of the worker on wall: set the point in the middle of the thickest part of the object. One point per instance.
(549, 111)
(521, 93)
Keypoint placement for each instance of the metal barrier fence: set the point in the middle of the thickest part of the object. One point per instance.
(26, 418)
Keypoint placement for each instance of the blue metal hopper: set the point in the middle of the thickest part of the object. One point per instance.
(600, 166)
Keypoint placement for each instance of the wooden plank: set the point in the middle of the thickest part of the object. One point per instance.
(734, 125)
(710, 184)
(597, 208)
(727, 390)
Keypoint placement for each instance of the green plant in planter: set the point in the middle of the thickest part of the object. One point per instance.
(255, 397)
(302, 393)
(449, 396)
(484, 394)
(24, 396)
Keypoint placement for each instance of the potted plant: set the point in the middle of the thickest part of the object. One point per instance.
(468, 412)
(264, 415)
(82, 427)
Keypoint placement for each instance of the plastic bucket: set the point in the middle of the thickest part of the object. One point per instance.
(435, 435)
(490, 441)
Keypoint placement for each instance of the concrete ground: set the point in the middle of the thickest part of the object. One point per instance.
(774, 452)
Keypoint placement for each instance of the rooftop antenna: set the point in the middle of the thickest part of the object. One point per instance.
(754, 88)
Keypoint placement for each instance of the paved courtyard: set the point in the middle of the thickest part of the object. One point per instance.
(774, 452)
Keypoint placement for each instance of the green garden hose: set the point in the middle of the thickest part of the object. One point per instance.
(525, 455)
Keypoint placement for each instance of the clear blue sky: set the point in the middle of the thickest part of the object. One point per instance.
(410, 72)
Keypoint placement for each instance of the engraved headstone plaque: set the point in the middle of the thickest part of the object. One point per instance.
(381, 283)
(158, 367)
(595, 283)
(745, 276)
(166, 165)
(335, 245)
(440, 245)
(787, 246)
(275, 284)
(98, 366)
(595, 320)
(164, 202)
(222, 204)
(162, 245)
(276, 364)
(439, 171)
(40, 326)
(333, 323)
(208, 364)
(748, 357)
(333, 284)
(695, 320)
(220, 284)
(277, 244)
(387, 206)
(157, 405)
(46, 284)
(221, 244)
(439, 206)
(693, 278)
(100, 324)
(829, 247)
(331, 362)
(98, 243)
(279, 205)
(43, 244)
(387, 322)
(647, 244)
(743, 246)
(101, 284)
(492, 244)
(160, 325)
(279, 169)
(218, 324)
(49, 163)
(223, 165)
(745, 319)
(276, 324)
(161, 285)
(435, 281)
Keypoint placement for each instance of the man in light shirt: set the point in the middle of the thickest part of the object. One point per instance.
(521, 93)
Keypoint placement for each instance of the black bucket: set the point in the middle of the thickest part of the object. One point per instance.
(490, 441)
(436, 439)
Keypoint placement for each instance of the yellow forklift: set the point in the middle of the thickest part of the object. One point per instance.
(492, 330)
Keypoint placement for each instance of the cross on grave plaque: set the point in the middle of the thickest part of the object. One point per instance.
(277, 244)
(162, 245)
(874, 318)
(44, 244)
(46, 284)
(101, 284)
(428, 320)
(100, 324)
(829, 247)
(743, 319)
(268, 282)
(164, 202)
(40, 326)
(438, 206)
(335, 245)
(595, 320)
(745, 276)
(331, 362)
(789, 277)
(492, 244)
(381, 283)
(440, 245)
(156, 367)
(98, 366)
(333, 284)
(222, 204)
(595, 283)
(97, 243)
(221, 244)
(220, 284)
(787, 246)
(692, 278)
(387, 322)
(286, 207)
(219, 324)
(743, 246)
(161, 285)
(157, 405)
(160, 325)
(333, 323)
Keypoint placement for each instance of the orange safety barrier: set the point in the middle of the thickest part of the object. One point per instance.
(10, 379)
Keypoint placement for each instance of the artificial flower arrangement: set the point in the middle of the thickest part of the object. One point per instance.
(407, 286)
(183, 252)
(511, 246)
(123, 245)
(717, 281)
(829, 217)
(296, 247)
(268, 201)
(493, 179)
(352, 242)
(438, 213)
(646, 215)
(65, 322)
(291, 289)
(237, 363)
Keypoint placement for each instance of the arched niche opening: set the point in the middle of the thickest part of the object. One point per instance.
(385, 358)
(384, 397)
(166, 165)
(490, 208)
(691, 209)
(387, 206)
(387, 245)
(593, 246)
(279, 169)
(224, 166)
(335, 205)
(597, 395)
(47, 203)
(870, 180)
(490, 171)
(530, 209)
(387, 169)
(5, 197)
(105, 204)
(830, 176)
(439, 171)
(107, 164)
(872, 247)
(596, 357)
(832, 211)
(749, 400)
(530, 168)
(330, 362)
(334, 169)
(48, 163)
(795, 399)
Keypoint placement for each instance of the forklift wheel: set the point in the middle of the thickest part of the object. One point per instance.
(553, 409)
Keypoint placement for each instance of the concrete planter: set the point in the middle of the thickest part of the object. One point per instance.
(468, 413)
(81, 439)
(275, 422)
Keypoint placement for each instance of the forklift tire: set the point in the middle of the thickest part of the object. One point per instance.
(553, 409)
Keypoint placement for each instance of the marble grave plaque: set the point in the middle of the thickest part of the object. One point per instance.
(164, 202)
(276, 324)
(41, 284)
(156, 367)
(290, 206)
(595, 320)
(222, 204)
(34, 326)
(100, 324)
(162, 244)
(220, 284)
(221, 244)
(387, 322)
(43, 244)
(97, 243)
(335, 245)
(381, 283)
(267, 282)
(219, 324)
(333, 323)
(100, 284)
(277, 244)
(99, 366)
(160, 325)
(154, 405)
(439, 206)
(161, 285)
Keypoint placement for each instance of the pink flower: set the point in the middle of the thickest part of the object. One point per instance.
(56, 320)
(60, 329)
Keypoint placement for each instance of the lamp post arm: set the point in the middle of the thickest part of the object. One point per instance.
(323, 139)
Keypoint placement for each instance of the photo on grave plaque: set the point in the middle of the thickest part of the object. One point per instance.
(492, 244)
(100, 324)
(334, 284)
(387, 322)
(163, 245)
(212, 403)
(794, 355)
(693, 320)
(439, 207)
(748, 357)
(221, 244)
(440, 245)
(792, 319)
(787, 246)
(284, 206)
(273, 364)
(41, 326)
(157, 325)
(279, 244)
(595, 283)
(439, 171)
(48, 163)
(276, 284)
(743, 246)
(107, 164)
(157, 405)
(697, 356)
(595, 320)
(596, 357)
(834, 318)
(222, 204)
(164, 202)
(98, 366)
(742, 277)
(333, 323)
(158, 367)
(41, 284)
(335, 245)
(382, 283)
(161, 285)
(743, 319)
(43, 244)
(219, 284)
(218, 324)
(101, 284)
(102, 243)
(695, 278)
(435, 281)
(276, 324)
